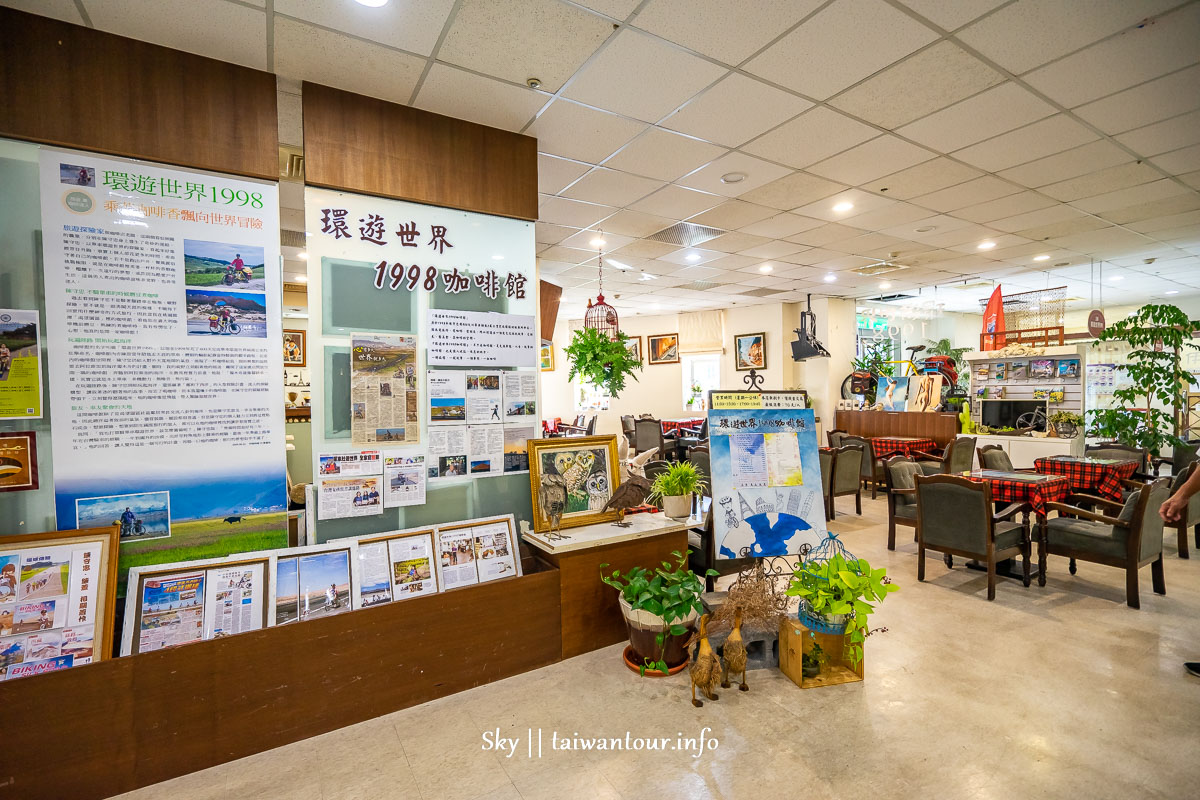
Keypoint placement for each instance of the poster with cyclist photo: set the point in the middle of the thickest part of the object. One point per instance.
(141, 516)
(226, 314)
(892, 392)
(217, 264)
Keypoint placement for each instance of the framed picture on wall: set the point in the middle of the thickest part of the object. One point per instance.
(750, 351)
(571, 480)
(293, 348)
(546, 355)
(18, 461)
(663, 349)
(634, 348)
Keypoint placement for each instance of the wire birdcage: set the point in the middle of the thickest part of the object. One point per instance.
(600, 316)
(828, 547)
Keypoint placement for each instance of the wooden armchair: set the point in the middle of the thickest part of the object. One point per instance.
(1122, 452)
(956, 458)
(954, 517)
(576, 428)
(872, 467)
(900, 474)
(835, 437)
(693, 437)
(844, 477)
(649, 434)
(1129, 540)
(993, 456)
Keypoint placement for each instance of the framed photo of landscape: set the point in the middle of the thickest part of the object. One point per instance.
(634, 347)
(663, 349)
(571, 480)
(57, 596)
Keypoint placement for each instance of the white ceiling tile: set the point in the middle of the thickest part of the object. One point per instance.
(845, 42)
(861, 201)
(733, 214)
(548, 233)
(65, 10)
(819, 237)
(635, 223)
(1179, 162)
(644, 248)
(921, 84)
(774, 249)
(1192, 179)
(1004, 207)
(1034, 219)
(1103, 243)
(574, 131)
(617, 9)
(995, 111)
(1142, 105)
(1042, 138)
(1067, 227)
(781, 225)
(726, 31)
(923, 179)
(1029, 33)
(567, 255)
(583, 239)
(889, 216)
(521, 39)
(555, 174)
(1137, 55)
(664, 155)
(734, 110)
(966, 194)
(880, 156)
(465, 95)
(314, 54)
(210, 28)
(690, 256)
(1160, 223)
(290, 109)
(1004, 242)
(733, 262)
(1165, 136)
(611, 187)
(641, 77)
(572, 213)
(1069, 164)
(796, 189)
(676, 202)
(757, 171)
(811, 137)
(414, 27)
(735, 242)
(1132, 195)
(952, 14)
(1163, 208)
(1101, 181)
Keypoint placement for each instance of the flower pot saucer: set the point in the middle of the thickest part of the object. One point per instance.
(627, 655)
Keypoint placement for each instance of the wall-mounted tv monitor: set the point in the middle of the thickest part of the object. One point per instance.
(1004, 413)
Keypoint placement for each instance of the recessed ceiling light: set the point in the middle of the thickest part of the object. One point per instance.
(733, 177)
(617, 264)
(655, 306)
(1117, 278)
(986, 245)
(498, 257)
(830, 278)
(646, 276)
(843, 206)
(372, 3)
(885, 285)
(927, 229)
(692, 257)
(1041, 258)
(1062, 263)
(597, 241)
(301, 279)
(1173, 291)
(765, 268)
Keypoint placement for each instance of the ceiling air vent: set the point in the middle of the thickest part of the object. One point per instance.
(291, 238)
(890, 298)
(686, 234)
(881, 268)
(291, 163)
(701, 286)
(761, 292)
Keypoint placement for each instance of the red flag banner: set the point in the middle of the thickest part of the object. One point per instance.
(993, 321)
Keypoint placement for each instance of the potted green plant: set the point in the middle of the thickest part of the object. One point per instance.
(600, 360)
(1151, 407)
(812, 661)
(660, 607)
(1066, 423)
(675, 488)
(836, 596)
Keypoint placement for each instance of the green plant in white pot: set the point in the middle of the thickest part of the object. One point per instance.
(675, 488)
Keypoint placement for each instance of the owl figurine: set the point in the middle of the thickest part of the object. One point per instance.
(597, 490)
(575, 475)
(552, 497)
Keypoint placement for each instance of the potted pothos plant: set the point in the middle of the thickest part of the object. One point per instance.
(660, 607)
(600, 360)
(675, 488)
(836, 596)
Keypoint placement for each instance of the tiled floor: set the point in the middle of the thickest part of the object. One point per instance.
(1055, 692)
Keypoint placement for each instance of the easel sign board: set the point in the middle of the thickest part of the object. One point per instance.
(766, 473)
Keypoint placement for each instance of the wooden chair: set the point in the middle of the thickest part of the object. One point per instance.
(994, 456)
(956, 458)
(649, 434)
(1121, 452)
(954, 517)
(1190, 518)
(845, 477)
(699, 456)
(900, 483)
(835, 437)
(629, 430)
(577, 428)
(1130, 540)
(872, 467)
(693, 437)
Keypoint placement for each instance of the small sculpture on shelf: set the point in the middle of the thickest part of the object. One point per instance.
(735, 653)
(630, 494)
(705, 670)
(552, 497)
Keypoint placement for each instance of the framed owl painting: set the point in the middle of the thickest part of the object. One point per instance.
(571, 479)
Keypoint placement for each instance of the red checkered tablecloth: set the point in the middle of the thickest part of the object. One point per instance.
(1088, 474)
(1025, 487)
(671, 426)
(887, 446)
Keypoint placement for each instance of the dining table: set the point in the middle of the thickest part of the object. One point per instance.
(1020, 487)
(1103, 476)
(887, 446)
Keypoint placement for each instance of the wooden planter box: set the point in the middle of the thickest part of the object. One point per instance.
(795, 640)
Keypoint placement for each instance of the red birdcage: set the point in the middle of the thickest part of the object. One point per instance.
(600, 315)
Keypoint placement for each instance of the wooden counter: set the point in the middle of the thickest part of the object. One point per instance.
(591, 615)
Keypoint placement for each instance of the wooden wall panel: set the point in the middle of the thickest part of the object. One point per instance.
(117, 725)
(71, 86)
(942, 428)
(361, 144)
(549, 294)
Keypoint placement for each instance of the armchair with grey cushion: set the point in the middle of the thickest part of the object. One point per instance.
(993, 456)
(1129, 540)
(835, 437)
(872, 467)
(649, 434)
(956, 458)
(1121, 452)
(699, 456)
(693, 437)
(845, 477)
(1182, 457)
(900, 473)
(628, 430)
(954, 517)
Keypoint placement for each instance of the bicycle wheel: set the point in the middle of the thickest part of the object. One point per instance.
(846, 393)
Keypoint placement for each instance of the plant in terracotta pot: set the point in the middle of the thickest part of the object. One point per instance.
(836, 597)
(661, 607)
(675, 488)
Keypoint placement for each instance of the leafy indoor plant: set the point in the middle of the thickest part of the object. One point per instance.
(600, 360)
(812, 661)
(1066, 423)
(837, 594)
(874, 360)
(661, 607)
(944, 347)
(675, 488)
(1150, 410)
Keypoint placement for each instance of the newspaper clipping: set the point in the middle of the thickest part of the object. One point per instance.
(349, 497)
(412, 565)
(233, 600)
(172, 611)
(383, 389)
(456, 551)
(345, 465)
(494, 551)
(403, 481)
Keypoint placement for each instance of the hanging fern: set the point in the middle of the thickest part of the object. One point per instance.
(601, 361)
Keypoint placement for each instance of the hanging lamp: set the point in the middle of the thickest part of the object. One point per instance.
(600, 315)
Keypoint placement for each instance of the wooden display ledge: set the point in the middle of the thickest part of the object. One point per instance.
(129, 722)
(940, 426)
(591, 614)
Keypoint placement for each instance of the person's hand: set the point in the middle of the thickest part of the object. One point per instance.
(1171, 510)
